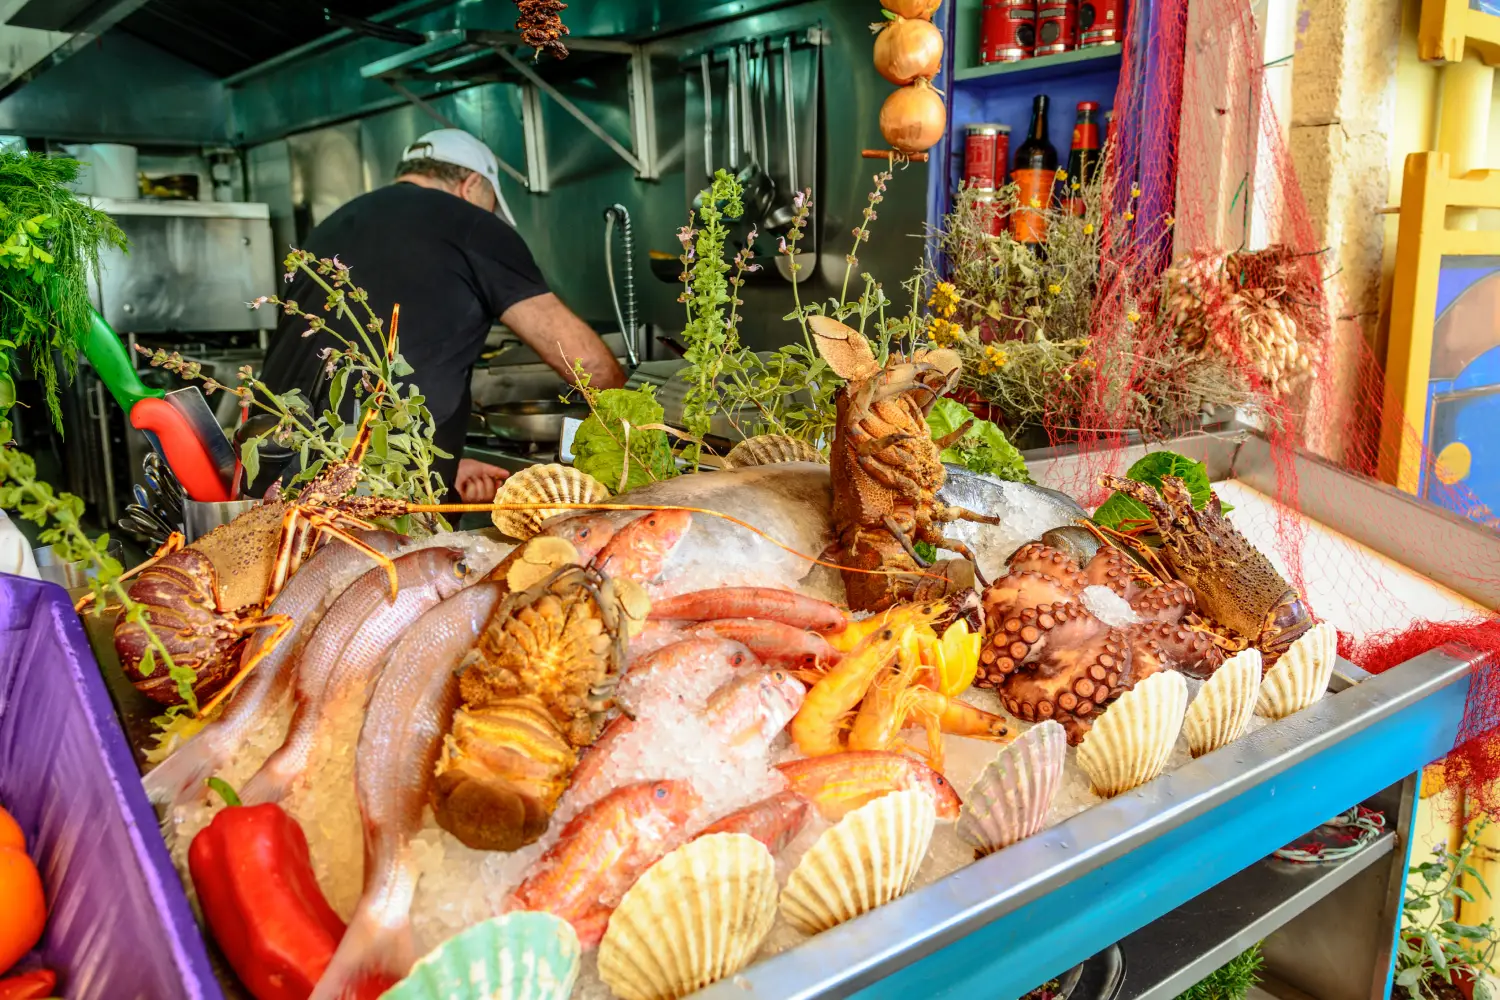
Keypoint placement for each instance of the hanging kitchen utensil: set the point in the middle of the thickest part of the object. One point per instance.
(756, 187)
(807, 258)
(179, 425)
(780, 217)
(707, 65)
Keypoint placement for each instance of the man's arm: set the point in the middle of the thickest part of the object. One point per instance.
(560, 338)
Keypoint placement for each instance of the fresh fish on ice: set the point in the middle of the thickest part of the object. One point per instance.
(1025, 512)
(345, 653)
(603, 850)
(774, 821)
(180, 779)
(640, 549)
(398, 747)
(789, 502)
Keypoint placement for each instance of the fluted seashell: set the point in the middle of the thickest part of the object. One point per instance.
(1010, 798)
(1130, 743)
(865, 860)
(518, 956)
(771, 449)
(697, 915)
(543, 484)
(1225, 704)
(1301, 676)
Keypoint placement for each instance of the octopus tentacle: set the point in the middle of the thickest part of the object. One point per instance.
(1112, 568)
(1034, 557)
(1167, 603)
(1194, 653)
(1071, 684)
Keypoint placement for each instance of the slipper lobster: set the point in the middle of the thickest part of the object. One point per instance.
(534, 692)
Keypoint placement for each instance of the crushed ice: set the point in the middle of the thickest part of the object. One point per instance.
(1108, 606)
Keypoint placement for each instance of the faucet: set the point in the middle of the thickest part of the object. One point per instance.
(627, 319)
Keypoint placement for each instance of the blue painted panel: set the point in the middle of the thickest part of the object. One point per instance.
(1471, 420)
(1457, 274)
(1059, 930)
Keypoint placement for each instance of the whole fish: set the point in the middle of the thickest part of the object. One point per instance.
(774, 603)
(681, 666)
(585, 785)
(755, 706)
(603, 850)
(773, 821)
(587, 533)
(774, 642)
(841, 782)
(344, 655)
(181, 778)
(409, 712)
(639, 550)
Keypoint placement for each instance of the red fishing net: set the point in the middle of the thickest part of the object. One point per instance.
(1210, 245)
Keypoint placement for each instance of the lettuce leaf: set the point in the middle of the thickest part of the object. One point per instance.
(598, 447)
(1152, 469)
(983, 449)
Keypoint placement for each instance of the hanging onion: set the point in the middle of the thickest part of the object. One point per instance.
(912, 8)
(912, 119)
(906, 49)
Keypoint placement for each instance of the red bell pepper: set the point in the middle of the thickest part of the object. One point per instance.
(262, 901)
(35, 985)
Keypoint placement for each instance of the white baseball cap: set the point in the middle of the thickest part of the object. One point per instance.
(455, 146)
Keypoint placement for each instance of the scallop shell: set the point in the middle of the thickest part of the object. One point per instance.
(1130, 743)
(865, 860)
(1301, 676)
(520, 956)
(1010, 798)
(771, 449)
(697, 915)
(539, 484)
(1224, 706)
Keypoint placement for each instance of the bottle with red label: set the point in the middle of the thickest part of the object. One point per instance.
(1083, 158)
(1034, 172)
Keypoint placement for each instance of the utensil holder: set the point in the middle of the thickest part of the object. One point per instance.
(69, 575)
(199, 518)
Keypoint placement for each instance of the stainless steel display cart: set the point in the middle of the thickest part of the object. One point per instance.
(1177, 871)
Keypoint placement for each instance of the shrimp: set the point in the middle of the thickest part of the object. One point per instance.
(887, 703)
(816, 725)
(939, 714)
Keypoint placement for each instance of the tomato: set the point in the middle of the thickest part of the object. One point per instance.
(35, 985)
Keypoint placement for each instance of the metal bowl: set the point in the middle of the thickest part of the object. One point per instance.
(534, 421)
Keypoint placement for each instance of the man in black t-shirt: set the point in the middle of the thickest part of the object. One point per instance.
(435, 242)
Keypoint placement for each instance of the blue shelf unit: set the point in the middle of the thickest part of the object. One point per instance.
(1002, 94)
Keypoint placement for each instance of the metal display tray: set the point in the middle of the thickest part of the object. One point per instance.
(1196, 838)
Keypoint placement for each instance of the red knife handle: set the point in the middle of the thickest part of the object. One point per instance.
(186, 456)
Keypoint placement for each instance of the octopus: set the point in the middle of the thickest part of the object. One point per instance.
(1050, 656)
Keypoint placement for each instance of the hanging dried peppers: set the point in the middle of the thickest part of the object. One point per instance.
(541, 26)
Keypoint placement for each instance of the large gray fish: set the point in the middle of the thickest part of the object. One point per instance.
(180, 779)
(411, 709)
(1025, 512)
(343, 657)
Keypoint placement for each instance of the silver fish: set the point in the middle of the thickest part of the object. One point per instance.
(180, 779)
(1025, 512)
(344, 656)
(411, 709)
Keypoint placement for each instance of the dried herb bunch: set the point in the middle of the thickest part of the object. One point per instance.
(541, 27)
(398, 461)
(1026, 326)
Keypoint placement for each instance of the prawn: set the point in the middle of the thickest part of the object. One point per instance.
(889, 701)
(937, 713)
(816, 726)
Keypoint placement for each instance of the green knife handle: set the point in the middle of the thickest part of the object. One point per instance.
(106, 352)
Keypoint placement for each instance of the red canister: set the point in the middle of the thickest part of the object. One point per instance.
(1008, 30)
(986, 152)
(1056, 26)
(991, 218)
(1100, 22)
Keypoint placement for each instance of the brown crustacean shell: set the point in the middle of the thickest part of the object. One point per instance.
(543, 484)
(771, 449)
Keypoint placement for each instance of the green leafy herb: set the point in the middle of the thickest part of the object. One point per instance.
(983, 448)
(1152, 469)
(1432, 943)
(624, 419)
(50, 243)
(1229, 982)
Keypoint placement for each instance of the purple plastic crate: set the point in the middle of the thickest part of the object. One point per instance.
(119, 924)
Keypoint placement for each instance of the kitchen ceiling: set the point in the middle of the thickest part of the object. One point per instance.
(227, 36)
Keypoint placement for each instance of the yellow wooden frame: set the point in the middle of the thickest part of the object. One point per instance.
(1422, 241)
(1446, 26)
